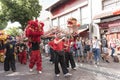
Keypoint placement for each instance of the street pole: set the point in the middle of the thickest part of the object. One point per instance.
(91, 22)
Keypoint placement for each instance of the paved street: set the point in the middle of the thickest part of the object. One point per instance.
(83, 72)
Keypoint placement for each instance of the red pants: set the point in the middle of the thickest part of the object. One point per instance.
(35, 58)
(22, 57)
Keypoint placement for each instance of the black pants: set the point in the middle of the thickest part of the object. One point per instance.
(9, 62)
(69, 58)
(60, 59)
(52, 57)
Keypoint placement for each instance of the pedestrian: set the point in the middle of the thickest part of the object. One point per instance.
(84, 45)
(105, 55)
(96, 49)
(89, 51)
(68, 48)
(2, 49)
(17, 50)
(86, 50)
(47, 49)
(23, 53)
(80, 49)
(9, 55)
(112, 46)
(60, 56)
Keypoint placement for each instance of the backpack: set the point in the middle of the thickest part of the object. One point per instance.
(116, 59)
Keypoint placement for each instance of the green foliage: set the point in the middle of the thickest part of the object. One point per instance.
(14, 31)
(19, 10)
(3, 25)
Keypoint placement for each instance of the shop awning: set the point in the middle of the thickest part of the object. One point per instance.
(82, 28)
(79, 31)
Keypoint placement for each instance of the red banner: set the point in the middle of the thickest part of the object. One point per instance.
(116, 12)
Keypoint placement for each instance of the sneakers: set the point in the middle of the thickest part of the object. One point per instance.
(57, 75)
(31, 70)
(39, 72)
(96, 63)
(67, 67)
(74, 68)
(67, 74)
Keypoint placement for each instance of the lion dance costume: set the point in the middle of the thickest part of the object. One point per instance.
(3, 38)
(33, 31)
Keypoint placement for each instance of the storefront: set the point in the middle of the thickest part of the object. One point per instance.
(112, 30)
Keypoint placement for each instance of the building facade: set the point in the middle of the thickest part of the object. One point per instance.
(101, 15)
(64, 9)
(82, 10)
(109, 20)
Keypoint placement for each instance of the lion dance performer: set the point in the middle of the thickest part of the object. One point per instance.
(33, 31)
(3, 38)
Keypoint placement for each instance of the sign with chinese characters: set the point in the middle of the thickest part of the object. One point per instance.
(114, 29)
(115, 24)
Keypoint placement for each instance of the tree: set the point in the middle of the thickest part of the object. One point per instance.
(3, 25)
(14, 31)
(19, 10)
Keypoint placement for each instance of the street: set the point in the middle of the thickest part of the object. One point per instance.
(83, 72)
(86, 30)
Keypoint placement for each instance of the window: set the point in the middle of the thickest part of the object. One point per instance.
(75, 14)
(109, 4)
(118, 3)
(55, 22)
(62, 21)
(67, 16)
(84, 15)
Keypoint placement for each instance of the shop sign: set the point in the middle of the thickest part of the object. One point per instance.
(114, 29)
(114, 24)
(116, 12)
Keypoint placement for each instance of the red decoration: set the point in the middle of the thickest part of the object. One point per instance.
(116, 12)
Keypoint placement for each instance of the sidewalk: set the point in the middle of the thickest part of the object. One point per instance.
(111, 69)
